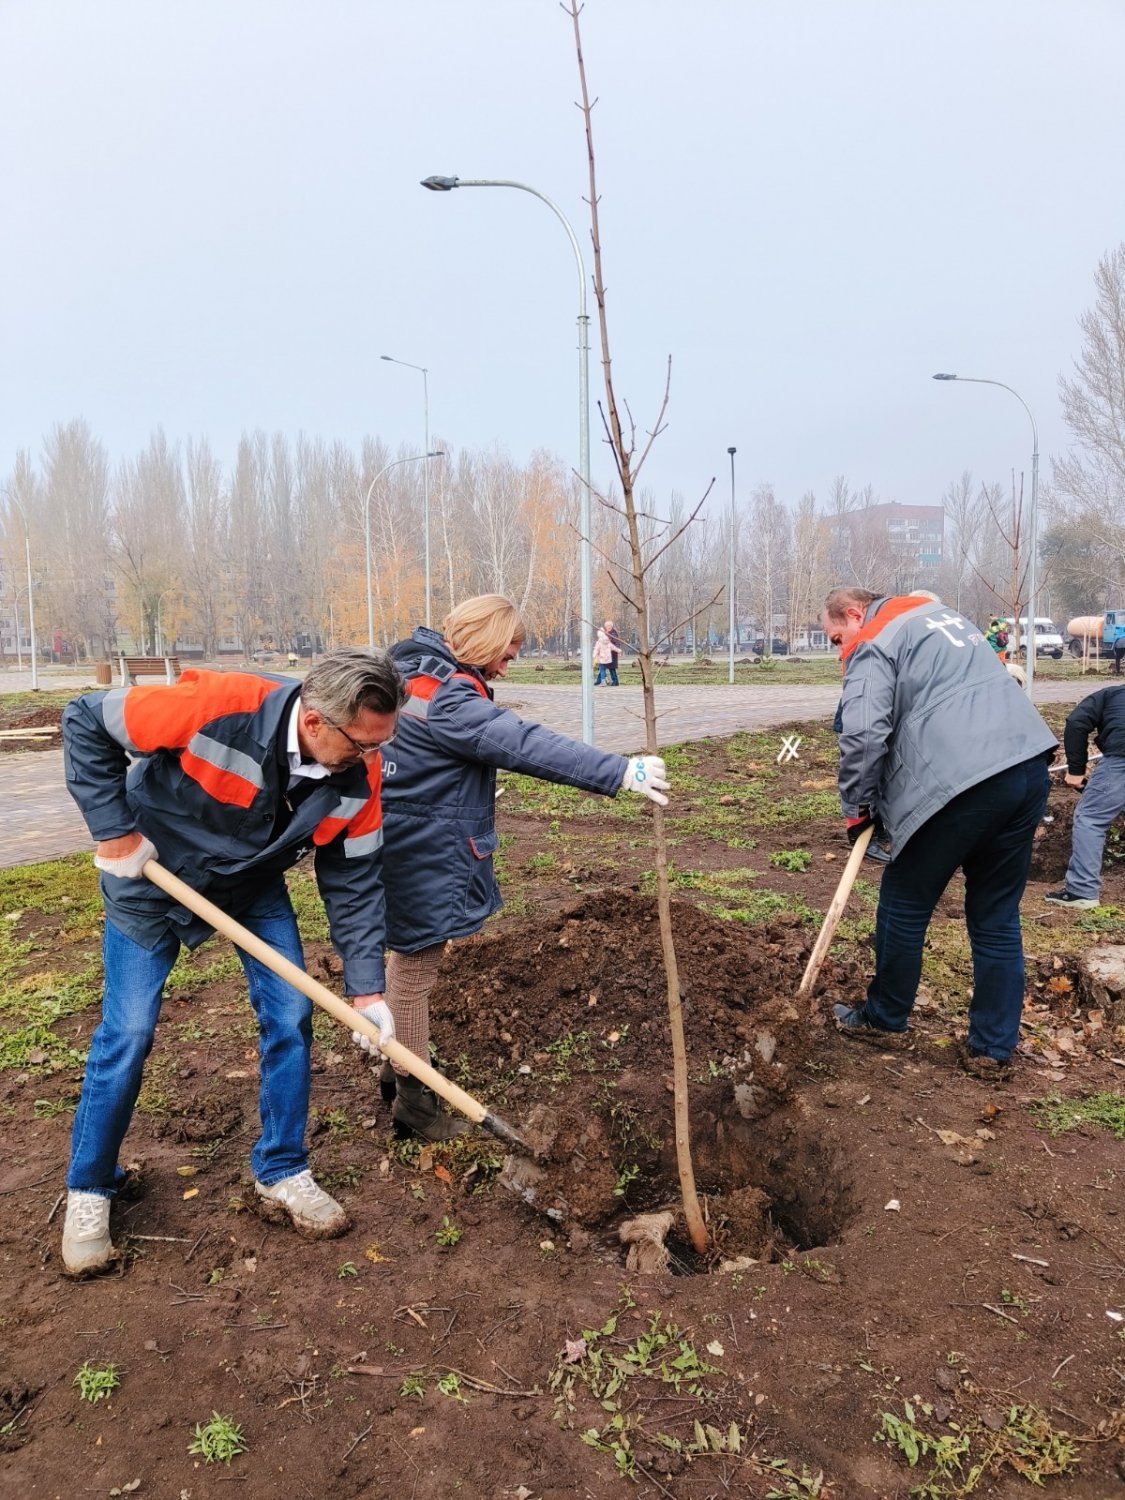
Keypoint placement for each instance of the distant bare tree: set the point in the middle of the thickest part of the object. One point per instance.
(1090, 482)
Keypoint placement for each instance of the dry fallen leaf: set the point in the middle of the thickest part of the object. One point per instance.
(892, 1207)
(192, 1193)
(186, 1171)
(372, 1254)
(1060, 985)
(443, 1175)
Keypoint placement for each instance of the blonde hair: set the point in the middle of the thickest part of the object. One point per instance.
(479, 629)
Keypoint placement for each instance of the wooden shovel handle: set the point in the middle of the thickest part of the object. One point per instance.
(318, 993)
(835, 912)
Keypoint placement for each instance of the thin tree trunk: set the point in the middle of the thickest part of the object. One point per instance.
(628, 470)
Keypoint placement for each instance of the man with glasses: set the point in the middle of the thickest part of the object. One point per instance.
(228, 779)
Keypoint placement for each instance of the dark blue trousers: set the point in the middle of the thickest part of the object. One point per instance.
(987, 832)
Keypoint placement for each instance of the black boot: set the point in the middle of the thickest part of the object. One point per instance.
(417, 1111)
(388, 1082)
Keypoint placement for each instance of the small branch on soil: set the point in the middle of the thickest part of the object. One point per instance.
(507, 1374)
(493, 1390)
(1030, 1260)
(194, 1248)
(55, 1206)
(999, 1311)
(1118, 1062)
(514, 1310)
(165, 1239)
(7, 1192)
(185, 1294)
(1061, 1365)
(254, 1327)
(356, 1442)
(652, 1479)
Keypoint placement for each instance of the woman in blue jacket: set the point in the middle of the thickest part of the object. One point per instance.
(439, 812)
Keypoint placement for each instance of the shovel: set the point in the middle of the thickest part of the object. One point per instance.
(835, 912)
(338, 1009)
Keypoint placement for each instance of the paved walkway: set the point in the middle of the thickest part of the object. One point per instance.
(38, 819)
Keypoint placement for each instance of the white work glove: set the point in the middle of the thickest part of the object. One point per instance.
(645, 774)
(379, 1014)
(129, 866)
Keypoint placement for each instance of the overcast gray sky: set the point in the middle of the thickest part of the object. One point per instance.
(212, 222)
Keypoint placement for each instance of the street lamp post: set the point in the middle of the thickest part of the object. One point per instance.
(586, 635)
(730, 590)
(30, 592)
(394, 463)
(425, 374)
(1033, 520)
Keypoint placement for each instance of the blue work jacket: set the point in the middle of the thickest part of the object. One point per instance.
(439, 792)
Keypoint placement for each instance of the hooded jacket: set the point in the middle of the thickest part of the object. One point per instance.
(439, 792)
(209, 785)
(928, 710)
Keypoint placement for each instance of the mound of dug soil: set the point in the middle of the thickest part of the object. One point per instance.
(568, 1014)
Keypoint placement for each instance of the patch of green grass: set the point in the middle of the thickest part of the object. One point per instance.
(95, 1382)
(50, 1109)
(756, 908)
(957, 1462)
(312, 919)
(157, 1095)
(1058, 1115)
(219, 1440)
(795, 860)
(195, 971)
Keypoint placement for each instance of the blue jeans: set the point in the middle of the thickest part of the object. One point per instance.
(134, 984)
(986, 831)
(1101, 802)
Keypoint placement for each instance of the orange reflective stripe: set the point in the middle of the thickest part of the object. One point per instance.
(224, 786)
(889, 611)
(425, 687)
(164, 717)
(369, 818)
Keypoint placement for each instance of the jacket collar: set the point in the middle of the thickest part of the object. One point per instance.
(880, 614)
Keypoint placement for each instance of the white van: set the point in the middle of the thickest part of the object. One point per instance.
(1048, 640)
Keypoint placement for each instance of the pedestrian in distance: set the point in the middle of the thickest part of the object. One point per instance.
(439, 794)
(618, 646)
(236, 777)
(997, 638)
(603, 657)
(943, 755)
(1101, 714)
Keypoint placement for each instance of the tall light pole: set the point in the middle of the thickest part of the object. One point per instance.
(586, 628)
(1033, 519)
(30, 591)
(730, 587)
(394, 463)
(425, 374)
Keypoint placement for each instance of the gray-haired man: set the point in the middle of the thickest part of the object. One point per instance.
(236, 776)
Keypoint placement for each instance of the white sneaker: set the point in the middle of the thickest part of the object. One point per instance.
(86, 1245)
(312, 1212)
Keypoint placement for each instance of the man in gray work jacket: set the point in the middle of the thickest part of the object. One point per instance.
(943, 753)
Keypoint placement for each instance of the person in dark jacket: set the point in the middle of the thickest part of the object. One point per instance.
(1101, 714)
(439, 799)
(945, 756)
(235, 776)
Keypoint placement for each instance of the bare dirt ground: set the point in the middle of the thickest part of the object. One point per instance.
(915, 1288)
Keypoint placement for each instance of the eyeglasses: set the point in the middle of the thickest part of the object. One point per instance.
(363, 749)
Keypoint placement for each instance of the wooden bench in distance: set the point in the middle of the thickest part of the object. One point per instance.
(132, 667)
